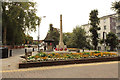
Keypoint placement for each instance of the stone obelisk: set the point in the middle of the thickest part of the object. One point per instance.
(61, 34)
(61, 44)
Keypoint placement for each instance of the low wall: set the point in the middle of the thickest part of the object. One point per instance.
(64, 62)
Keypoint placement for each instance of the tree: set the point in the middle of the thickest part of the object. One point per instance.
(29, 39)
(66, 37)
(94, 22)
(17, 18)
(78, 38)
(53, 34)
(116, 7)
(111, 40)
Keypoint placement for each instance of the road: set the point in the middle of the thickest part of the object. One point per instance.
(91, 70)
(17, 52)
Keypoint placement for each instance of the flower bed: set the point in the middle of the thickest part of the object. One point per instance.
(66, 56)
(50, 59)
(64, 62)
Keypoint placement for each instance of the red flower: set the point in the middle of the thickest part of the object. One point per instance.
(61, 49)
(50, 44)
(65, 49)
(56, 49)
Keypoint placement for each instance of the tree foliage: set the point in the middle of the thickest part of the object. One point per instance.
(17, 18)
(94, 22)
(66, 37)
(116, 7)
(111, 40)
(77, 38)
(28, 39)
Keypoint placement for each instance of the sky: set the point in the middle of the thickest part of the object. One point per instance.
(74, 12)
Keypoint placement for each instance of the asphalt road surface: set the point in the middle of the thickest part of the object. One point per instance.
(16, 52)
(91, 70)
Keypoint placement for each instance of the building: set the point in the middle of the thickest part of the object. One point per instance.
(118, 30)
(107, 24)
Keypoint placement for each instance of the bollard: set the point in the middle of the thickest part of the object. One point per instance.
(89, 49)
(25, 50)
(33, 49)
(10, 53)
(78, 51)
(83, 50)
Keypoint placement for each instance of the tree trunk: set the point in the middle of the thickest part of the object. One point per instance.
(4, 35)
(111, 48)
(95, 48)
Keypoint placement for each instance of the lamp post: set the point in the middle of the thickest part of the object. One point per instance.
(38, 37)
(39, 31)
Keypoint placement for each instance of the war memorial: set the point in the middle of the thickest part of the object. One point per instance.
(63, 55)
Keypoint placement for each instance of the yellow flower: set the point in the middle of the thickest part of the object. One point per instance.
(44, 58)
(36, 56)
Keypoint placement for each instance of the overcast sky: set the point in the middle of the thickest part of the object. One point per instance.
(74, 12)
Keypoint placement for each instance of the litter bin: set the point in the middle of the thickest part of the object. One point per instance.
(4, 51)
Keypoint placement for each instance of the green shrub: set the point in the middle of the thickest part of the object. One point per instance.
(53, 54)
(49, 56)
(86, 53)
(43, 55)
(97, 52)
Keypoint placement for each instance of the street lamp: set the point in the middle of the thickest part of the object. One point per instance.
(39, 31)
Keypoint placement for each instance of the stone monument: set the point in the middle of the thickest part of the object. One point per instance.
(61, 44)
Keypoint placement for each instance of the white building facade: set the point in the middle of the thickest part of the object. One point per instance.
(107, 24)
(118, 30)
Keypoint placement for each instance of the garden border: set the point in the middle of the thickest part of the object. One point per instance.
(64, 62)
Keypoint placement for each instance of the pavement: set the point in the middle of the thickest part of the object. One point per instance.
(91, 70)
(12, 62)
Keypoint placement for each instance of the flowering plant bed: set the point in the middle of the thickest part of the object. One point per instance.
(66, 56)
(50, 59)
(64, 62)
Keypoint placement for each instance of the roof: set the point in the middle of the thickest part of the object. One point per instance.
(85, 25)
(108, 15)
(37, 41)
(111, 15)
(48, 38)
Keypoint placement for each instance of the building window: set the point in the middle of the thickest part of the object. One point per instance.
(104, 35)
(104, 27)
(118, 34)
(115, 27)
(104, 20)
(113, 20)
(118, 27)
(99, 35)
